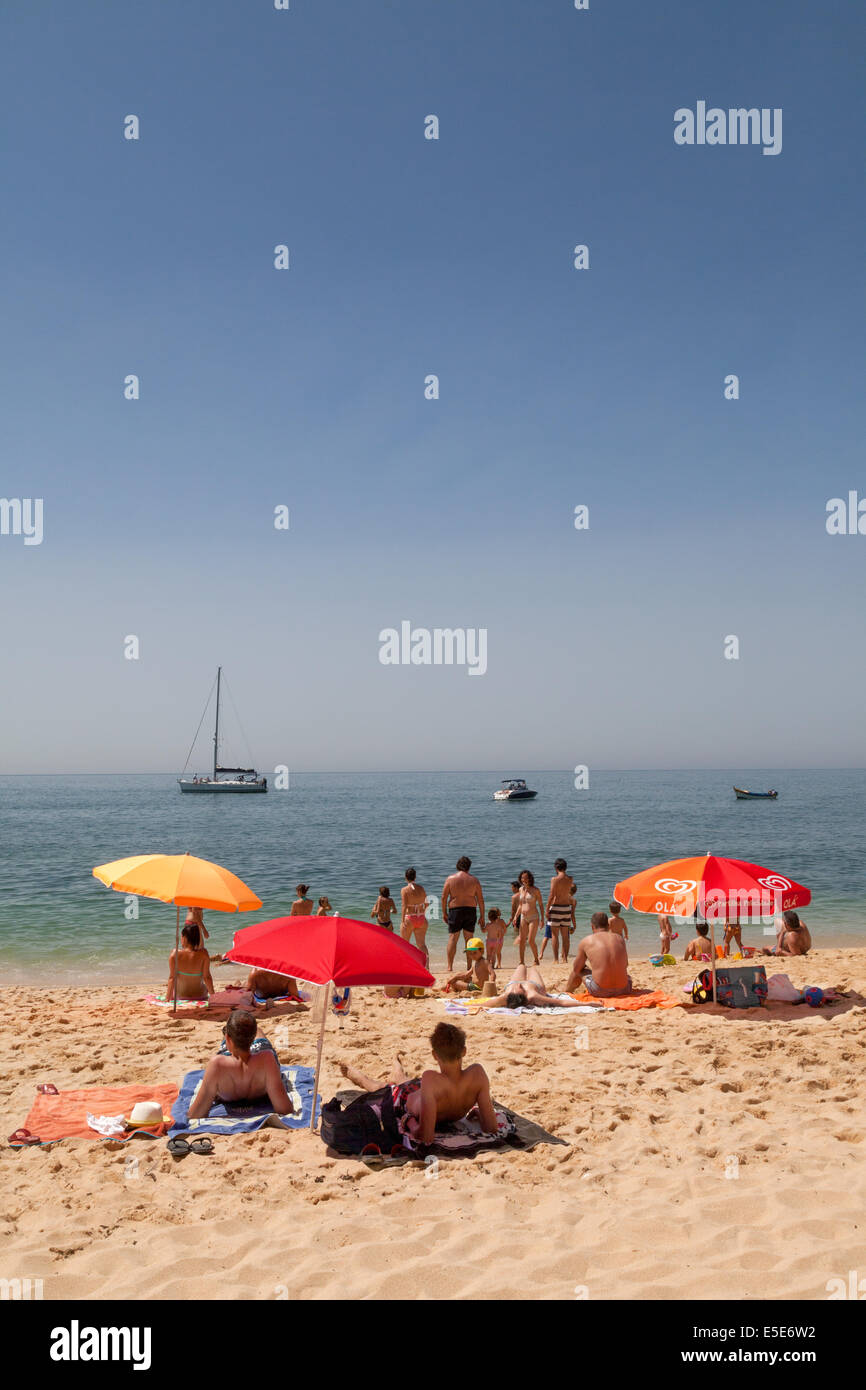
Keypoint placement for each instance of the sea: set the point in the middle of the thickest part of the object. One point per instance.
(347, 834)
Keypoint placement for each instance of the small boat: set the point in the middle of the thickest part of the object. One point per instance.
(224, 779)
(743, 795)
(513, 789)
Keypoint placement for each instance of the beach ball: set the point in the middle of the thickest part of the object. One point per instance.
(814, 996)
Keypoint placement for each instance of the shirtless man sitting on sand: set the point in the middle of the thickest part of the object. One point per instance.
(243, 1075)
(792, 936)
(461, 899)
(527, 990)
(606, 955)
(443, 1095)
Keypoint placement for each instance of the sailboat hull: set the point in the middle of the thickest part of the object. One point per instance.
(222, 787)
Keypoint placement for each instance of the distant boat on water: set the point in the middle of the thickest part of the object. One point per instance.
(743, 795)
(513, 789)
(223, 779)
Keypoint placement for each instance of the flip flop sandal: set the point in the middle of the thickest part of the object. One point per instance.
(23, 1137)
(204, 1145)
(396, 1158)
(372, 1155)
(178, 1147)
(48, 1089)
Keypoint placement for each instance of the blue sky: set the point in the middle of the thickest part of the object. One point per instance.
(558, 387)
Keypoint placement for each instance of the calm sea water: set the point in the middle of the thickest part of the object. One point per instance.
(345, 834)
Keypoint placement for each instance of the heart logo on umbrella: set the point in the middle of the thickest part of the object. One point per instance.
(676, 885)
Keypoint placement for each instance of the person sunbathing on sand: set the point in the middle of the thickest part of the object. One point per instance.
(242, 1076)
(527, 990)
(267, 984)
(605, 953)
(479, 974)
(444, 1095)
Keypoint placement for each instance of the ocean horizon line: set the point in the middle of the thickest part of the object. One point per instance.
(455, 771)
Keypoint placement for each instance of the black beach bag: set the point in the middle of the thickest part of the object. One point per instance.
(366, 1120)
(737, 987)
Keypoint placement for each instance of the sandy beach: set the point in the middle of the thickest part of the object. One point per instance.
(707, 1154)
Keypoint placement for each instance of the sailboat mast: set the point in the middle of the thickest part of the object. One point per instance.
(216, 731)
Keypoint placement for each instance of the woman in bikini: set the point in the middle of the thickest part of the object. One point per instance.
(531, 911)
(413, 899)
(302, 906)
(243, 1075)
(190, 966)
(383, 908)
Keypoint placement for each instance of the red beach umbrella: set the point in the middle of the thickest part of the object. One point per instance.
(329, 950)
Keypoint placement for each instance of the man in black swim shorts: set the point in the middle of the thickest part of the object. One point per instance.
(462, 905)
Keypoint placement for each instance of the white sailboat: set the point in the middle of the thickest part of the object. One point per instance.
(223, 779)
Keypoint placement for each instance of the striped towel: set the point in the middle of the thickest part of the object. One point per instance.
(243, 1118)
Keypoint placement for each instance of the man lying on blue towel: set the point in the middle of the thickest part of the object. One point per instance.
(243, 1074)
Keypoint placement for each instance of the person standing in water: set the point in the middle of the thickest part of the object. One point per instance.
(302, 906)
(561, 902)
(666, 933)
(195, 918)
(413, 920)
(383, 908)
(462, 905)
(531, 912)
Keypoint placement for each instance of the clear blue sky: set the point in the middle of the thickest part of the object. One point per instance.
(453, 257)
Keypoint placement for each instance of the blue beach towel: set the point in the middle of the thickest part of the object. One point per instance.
(243, 1118)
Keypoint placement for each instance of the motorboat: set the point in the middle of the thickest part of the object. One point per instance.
(513, 789)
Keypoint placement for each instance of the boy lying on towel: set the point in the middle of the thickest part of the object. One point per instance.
(242, 1075)
(436, 1096)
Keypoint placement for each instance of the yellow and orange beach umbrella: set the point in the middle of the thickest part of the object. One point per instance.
(181, 879)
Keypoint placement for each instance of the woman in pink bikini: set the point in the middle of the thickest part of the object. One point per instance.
(413, 899)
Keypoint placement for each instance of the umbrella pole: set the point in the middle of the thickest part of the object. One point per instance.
(176, 951)
(325, 989)
(713, 967)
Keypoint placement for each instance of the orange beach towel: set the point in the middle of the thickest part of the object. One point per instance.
(641, 999)
(64, 1116)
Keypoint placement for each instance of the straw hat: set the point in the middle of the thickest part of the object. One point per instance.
(146, 1112)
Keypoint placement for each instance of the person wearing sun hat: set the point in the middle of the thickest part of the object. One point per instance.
(479, 978)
